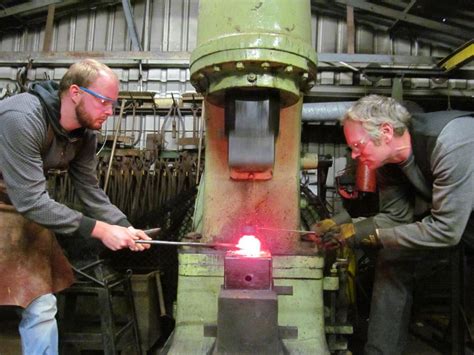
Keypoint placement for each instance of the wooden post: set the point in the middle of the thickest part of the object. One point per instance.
(48, 33)
(350, 30)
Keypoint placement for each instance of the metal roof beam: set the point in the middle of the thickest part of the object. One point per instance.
(377, 23)
(333, 91)
(396, 3)
(405, 11)
(30, 7)
(122, 59)
(416, 20)
(377, 58)
(182, 58)
(36, 7)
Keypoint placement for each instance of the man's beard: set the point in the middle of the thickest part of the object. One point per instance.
(85, 119)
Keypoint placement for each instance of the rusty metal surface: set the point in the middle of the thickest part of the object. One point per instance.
(31, 260)
(247, 317)
(230, 205)
(257, 310)
(251, 273)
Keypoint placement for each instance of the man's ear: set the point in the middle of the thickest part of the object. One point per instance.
(74, 93)
(387, 132)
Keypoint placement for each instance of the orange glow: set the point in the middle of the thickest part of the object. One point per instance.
(249, 245)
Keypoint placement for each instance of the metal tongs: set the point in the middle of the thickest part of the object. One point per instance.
(153, 232)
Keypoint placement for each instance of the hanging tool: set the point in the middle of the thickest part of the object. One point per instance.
(114, 144)
(177, 122)
(167, 322)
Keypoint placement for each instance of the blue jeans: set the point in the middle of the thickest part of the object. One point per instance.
(396, 274)
(38, 327)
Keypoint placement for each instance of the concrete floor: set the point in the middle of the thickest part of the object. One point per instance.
(10, 343)
(10, 340)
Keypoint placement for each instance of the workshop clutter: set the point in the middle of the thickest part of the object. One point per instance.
(136, 185)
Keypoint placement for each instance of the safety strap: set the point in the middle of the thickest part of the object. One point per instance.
(48, 141)
(4, 199)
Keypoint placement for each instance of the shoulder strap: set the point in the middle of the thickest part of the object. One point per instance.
(48, 141)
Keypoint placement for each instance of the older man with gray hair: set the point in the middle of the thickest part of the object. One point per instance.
(425, 176)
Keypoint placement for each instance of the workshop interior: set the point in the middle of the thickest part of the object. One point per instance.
(226, 137)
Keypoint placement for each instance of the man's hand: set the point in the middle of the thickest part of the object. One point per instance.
(337, 236)
(325, 225)
(345, 234)
(117, 237)
(139, 235)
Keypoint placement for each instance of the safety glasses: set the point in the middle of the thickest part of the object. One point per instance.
(104, 100)
(359, 146)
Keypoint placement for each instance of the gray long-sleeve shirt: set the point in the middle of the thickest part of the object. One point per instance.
(450, 213)
(23, 131)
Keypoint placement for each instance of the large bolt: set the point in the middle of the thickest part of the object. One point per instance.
(239, 66)
(251, 77)
(265, 65)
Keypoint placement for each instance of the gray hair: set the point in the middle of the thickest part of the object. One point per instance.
(84, 73)
(374, 110)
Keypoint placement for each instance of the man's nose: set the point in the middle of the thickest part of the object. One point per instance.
(109, 110)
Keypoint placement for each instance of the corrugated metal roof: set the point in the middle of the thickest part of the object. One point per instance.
(167, 28)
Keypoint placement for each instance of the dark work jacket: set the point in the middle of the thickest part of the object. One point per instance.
(424, 131)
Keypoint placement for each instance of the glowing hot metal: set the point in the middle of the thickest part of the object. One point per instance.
(249, 245)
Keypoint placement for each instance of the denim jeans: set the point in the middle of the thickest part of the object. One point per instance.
(396, 274)
(38, 327)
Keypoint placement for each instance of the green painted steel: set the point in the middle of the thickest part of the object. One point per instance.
(248, 44)
(201, 277)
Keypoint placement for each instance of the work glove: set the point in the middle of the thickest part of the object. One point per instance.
(325, 225)
(346, 234)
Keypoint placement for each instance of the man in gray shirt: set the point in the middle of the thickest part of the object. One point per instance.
(425, 177)
(52, 126)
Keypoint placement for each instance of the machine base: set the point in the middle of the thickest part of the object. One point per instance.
(201, 276)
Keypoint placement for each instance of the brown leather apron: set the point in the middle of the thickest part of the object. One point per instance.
(32, 262)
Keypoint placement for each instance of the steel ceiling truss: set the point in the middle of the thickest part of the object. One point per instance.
(450, 23)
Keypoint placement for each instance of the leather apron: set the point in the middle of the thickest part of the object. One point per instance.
(32, 262)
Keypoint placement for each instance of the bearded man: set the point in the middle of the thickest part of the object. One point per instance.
(52, 126)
